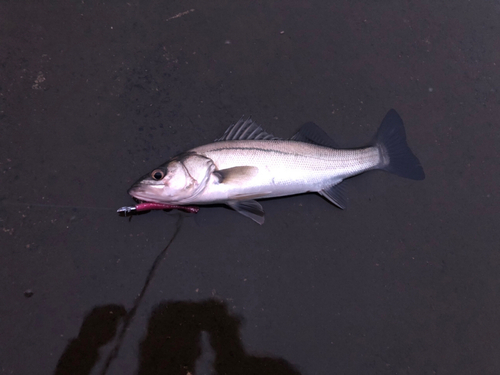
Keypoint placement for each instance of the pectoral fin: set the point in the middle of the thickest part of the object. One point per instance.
(236, 175)
(251, 209)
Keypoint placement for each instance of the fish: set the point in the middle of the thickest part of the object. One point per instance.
(247, 164)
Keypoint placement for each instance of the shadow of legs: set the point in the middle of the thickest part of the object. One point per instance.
(98, 328)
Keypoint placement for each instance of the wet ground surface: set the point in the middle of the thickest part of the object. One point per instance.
(94, 95)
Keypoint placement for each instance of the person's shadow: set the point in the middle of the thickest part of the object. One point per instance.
(173, 342)
(98, 328)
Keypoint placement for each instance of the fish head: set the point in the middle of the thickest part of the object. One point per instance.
(177, 181)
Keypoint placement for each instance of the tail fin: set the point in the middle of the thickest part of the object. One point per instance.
(397, 157)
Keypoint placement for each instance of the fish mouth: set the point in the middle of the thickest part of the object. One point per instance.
(141, 201)
(141, 195)
(151, 204)
(138, 197)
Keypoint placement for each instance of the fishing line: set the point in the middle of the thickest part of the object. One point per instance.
(57, 206)
(127, 320)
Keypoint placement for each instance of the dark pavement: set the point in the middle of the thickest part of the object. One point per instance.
(95, 94)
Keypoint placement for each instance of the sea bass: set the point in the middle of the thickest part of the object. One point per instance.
(247, 163)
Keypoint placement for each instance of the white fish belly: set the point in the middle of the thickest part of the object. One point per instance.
(284, 168)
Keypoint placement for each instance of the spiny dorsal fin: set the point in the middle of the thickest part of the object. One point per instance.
(245, 130)
(312, 133)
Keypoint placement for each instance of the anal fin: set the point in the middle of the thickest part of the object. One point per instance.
(250, 208)
(336, 195)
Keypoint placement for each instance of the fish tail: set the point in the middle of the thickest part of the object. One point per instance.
(396, 156)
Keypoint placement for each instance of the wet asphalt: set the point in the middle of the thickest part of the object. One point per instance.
(94, 95)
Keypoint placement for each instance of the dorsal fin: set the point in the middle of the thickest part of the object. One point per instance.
(312, 133)
(244, 130)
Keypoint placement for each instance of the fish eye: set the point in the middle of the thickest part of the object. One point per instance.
(157, 174)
